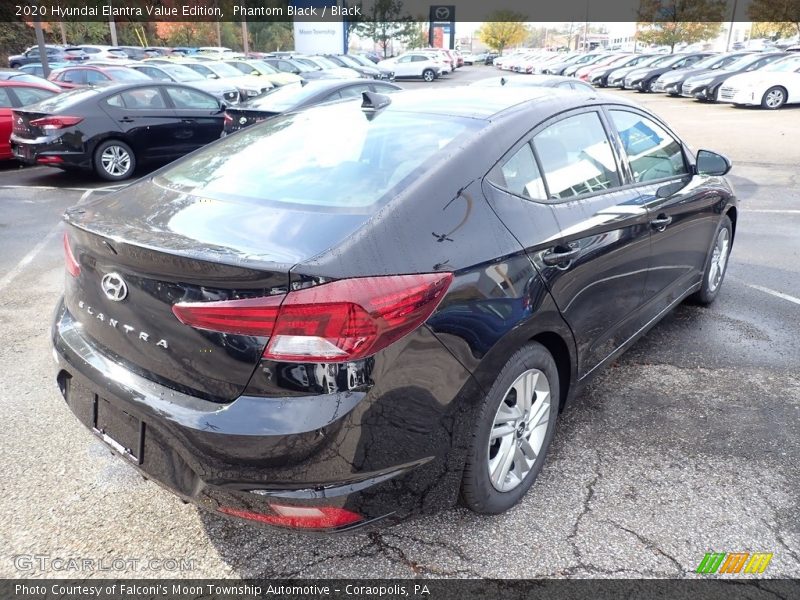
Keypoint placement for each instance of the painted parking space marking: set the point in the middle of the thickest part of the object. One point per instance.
(26, 260)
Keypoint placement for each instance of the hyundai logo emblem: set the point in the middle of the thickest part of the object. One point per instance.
(114, 287)
(442, 13)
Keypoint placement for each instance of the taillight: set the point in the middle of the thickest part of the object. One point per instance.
(340, 321)
(251, 316)
(56, 122)
(299, 517)
(73, 268)
(227, 119)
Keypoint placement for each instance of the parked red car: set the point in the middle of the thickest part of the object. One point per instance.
(15, 94)
(83, 76)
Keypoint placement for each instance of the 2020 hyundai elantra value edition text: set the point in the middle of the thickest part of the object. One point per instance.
(367, 310)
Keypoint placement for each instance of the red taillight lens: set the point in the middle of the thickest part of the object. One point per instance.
(340, 321)
(351, 319)
(251, 316)
(299, 517)
(56, 122)
(227, 119)
(73, 268)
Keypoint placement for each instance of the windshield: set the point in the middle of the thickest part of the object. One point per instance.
(283, 98)
(362, 60)
(709, 62)
(127, 75)
(181, 73)
(325, 63)
(329, 156)
(224, 70)
(264, 68)
(349, 62)
(742, 62)
(783, 65)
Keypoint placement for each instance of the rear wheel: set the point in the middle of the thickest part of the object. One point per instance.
(114, 160)
(429, 75)
(774, 98)
(515, 426)
(716, 264)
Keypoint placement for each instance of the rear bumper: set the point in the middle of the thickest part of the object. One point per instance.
(384, 457)
(47, 151)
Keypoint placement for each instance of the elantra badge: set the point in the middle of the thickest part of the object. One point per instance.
(242, 120)
(114, 287)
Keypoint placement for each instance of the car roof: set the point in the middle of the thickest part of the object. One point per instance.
(13, 83)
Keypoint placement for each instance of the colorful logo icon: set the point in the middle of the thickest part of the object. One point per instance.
(734, 562)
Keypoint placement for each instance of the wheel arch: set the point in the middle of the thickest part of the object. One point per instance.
(558, 348)
(732, 213)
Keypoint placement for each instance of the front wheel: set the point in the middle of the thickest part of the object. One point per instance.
(114, 160)
(716, 264)
(774, 98)
(514, 428)
(429, 75)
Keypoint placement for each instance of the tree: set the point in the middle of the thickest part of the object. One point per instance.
(669, 22)
(187, 33)
(784, 13)
(266, 36)
(15, 37)
(386, 22)
(418, 37)
(87, 32)
(503, 28)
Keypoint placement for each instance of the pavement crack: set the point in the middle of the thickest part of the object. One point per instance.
(586, 509)
(647, 543)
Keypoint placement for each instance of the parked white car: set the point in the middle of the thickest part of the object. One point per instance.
(771, 86)
(413, 65)
(104, 53)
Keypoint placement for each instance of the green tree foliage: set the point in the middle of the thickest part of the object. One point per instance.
(782, 15)
(386, 22)
(503, 28)
(267, 37)
(86, 32)
(15, 37)
(670, 22)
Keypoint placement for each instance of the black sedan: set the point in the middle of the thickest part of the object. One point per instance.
(369, 309)
(296, 96)
(111, 129)
(642, 80)
(671, 81)
(705, 87)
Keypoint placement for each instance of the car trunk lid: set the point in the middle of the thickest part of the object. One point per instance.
(166, 247)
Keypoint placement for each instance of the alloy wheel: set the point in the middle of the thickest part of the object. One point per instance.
(719, 259)
(518, 430)
(774, 98)
(115, 160)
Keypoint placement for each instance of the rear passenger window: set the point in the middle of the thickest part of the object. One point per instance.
(191, 100)
(652, 152)
(5, 99)
(520, 175)
(576, 157)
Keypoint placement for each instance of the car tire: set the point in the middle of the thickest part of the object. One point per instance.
(498, 473)
(774, 98)
(114, 160)
(646, 87)
(15, 65)
(429, 75)
(716, 264)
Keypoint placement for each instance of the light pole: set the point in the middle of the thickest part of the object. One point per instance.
(730, 27)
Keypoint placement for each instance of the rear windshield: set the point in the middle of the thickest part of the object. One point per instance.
(127, 75)
(329, 156)
(181, 73)
(64, 101)
(284, 97)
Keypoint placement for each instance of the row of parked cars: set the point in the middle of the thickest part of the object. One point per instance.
(769, 79)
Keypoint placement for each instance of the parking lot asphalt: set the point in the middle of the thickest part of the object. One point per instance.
(686, 445)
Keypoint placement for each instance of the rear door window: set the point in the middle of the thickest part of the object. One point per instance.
(31, 95)
(5, 99)
(520, 175)
(576, 157)
(186, 99)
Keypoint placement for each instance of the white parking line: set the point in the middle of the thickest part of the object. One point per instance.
(9, 277)
(775, 293)
(772, 211)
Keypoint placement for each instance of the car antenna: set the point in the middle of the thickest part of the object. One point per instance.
(372, 102)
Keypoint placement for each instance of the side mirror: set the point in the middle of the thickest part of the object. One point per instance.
(212, 76)
(711, 163)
